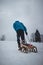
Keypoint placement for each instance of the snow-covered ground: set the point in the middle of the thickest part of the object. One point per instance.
(9, 54)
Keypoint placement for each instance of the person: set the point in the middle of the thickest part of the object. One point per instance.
(37, 36)
(20, 29)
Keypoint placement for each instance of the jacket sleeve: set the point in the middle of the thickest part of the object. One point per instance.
(24, 27)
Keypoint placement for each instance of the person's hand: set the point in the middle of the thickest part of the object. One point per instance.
(26, 33)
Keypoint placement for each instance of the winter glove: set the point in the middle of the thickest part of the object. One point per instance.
(26, 33)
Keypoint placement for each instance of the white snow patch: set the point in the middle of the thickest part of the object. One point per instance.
(9, 54)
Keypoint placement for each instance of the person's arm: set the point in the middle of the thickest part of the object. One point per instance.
(25, 29)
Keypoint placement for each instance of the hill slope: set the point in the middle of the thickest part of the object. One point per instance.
(9, 55)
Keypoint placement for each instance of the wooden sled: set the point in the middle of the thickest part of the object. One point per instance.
(28, 48)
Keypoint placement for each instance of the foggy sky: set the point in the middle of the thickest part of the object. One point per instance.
(30, 12)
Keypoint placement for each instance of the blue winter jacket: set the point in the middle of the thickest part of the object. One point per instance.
(18, 25)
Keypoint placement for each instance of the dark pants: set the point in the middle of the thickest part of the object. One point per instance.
(37, 39)
(20, 33)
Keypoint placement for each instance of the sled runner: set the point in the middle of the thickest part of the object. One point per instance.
(28, 48)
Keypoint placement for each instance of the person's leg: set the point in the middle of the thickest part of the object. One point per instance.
(18, 38)
(22, 36)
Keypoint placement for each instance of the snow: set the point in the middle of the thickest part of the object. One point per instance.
(9, 54)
